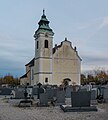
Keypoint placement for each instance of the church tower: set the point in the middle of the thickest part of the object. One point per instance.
(43, 52)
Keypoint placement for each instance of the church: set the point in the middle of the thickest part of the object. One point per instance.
(56, 65)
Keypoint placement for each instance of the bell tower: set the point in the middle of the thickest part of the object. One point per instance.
(43, 51)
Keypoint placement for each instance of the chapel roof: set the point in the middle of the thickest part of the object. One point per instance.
(43, 25)
(25, 75)
(31, 63)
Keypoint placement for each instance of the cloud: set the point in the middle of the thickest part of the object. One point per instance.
(83, 26)
(96, 59)
(15, 52)
(93, 61)
(12, 67)
(104, 22)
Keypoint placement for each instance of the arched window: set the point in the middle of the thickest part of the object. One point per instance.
(46, 44)
(37, 44)
(46, 80)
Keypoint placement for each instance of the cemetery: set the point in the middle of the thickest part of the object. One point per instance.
(41, 95)
(73, 99)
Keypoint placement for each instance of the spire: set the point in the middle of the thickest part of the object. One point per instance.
(65, 38)
(44, 16)
(44, 25)
(43, 12)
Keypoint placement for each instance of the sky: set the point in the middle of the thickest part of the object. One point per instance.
(83, 22)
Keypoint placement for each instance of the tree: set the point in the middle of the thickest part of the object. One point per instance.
(90, 78)
(83, 79)
(102, 77)
(10, 80)
(97, 77)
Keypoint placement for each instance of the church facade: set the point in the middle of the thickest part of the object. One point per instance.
(52, 65)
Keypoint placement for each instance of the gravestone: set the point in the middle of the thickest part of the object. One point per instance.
(68, 92)
(60, 99)
(19, 93)
(77, 88)
(24, 96)
(82, 88)
(105, 94)
(51, 93)
(86, 88)
(102, 90)
(5, 91)
(35, 91)
(43, 100)
(80, 99)
(30, 91)
(80, 102)
(93, 94)
(40, 90)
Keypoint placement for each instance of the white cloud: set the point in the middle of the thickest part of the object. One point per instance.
(104, 22)
(83, 26)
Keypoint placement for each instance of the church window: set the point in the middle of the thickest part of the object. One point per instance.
(46, 80)
(37, 44)
(32, 74)
(46, 44)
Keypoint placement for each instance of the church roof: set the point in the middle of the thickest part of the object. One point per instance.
(25, 75)
(43, 25)
(58, 46)
(31, 63)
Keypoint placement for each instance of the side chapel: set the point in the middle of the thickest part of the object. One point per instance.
(52, 65)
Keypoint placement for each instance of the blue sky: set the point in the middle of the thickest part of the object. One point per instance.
(83, 22)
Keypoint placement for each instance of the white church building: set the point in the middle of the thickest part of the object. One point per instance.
(52, 65)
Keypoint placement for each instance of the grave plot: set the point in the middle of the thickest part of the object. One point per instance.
(80, 102)
(5, 91)
(19, 93)
(94, 96)
(60, 99)
(43, 100)
(52, 94)
(68, 92)
(105, 95)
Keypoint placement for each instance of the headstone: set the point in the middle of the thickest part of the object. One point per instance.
(85, 88)
(80, 99)
(30, 91)
(105, 94)
(93, 94)
(77, 88)
(68, 92)
(5, 91)
(102, 90)
(43, 99)
(47, 86)
(35, 91)
(40, 90)
(51, 93)
(19, 93)
(60, 100)
(80, 102)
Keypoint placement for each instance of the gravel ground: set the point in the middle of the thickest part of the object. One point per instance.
(9, 112)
